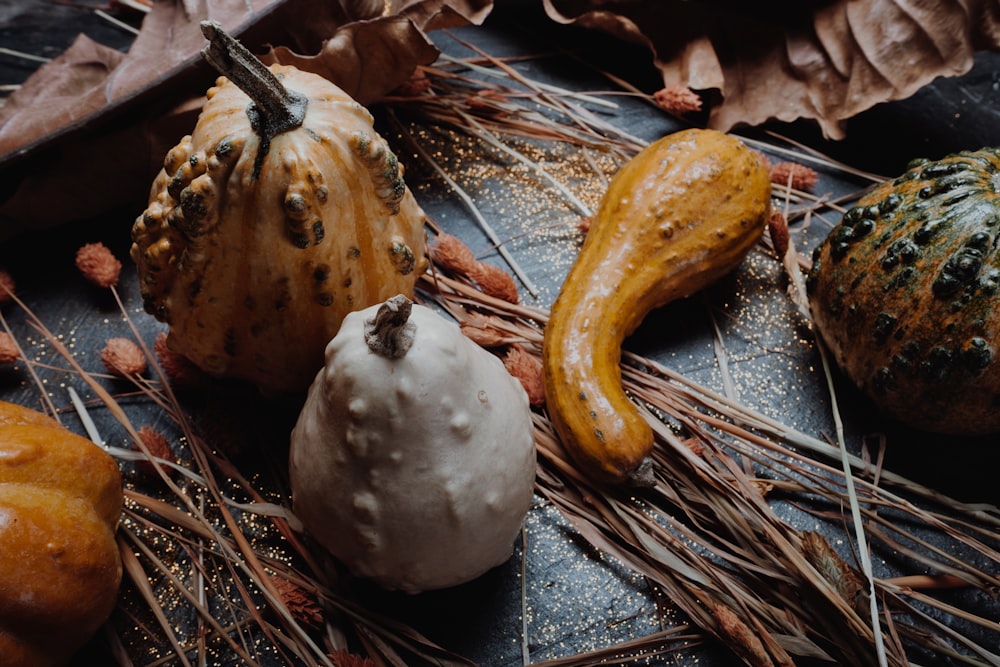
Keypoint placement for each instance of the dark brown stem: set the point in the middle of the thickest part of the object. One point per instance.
(273, 108)
(390, 332)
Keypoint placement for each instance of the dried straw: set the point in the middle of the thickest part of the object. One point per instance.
(209, 543)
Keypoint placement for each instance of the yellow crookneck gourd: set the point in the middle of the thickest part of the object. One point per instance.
(678, 216)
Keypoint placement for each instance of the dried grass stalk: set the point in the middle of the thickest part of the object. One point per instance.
(706, 534)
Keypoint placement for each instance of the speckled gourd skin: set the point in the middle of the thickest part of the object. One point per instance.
(254, 266)
(60, 567)
(415, 472)
(904, 291)
(678, 216)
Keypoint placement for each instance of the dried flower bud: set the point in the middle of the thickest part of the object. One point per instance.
(6, 286)
(98, 265)
(695, 445)
(677, 99)
(123, 357)
(831, 566)
(415, 86)
(494, 281)
(527, 368)
(157, 445)
(180, 370)
(777, 227)
(794, 175)
(483, 336)
(299, 602)
(451, 254)
(739, 636)
(343, 658)
(584, 225)
(487, 103)
(9, 352)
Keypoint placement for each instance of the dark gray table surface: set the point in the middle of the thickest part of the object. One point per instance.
(591, 601)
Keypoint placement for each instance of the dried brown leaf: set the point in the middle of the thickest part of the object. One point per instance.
(826, 61)
(90, 128)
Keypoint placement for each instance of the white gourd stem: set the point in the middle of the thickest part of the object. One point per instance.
(390, 332)
(274, 109)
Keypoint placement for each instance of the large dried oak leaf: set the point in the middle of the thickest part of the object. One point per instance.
(86, 133)
(780, 60)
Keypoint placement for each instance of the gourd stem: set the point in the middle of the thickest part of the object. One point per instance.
(390, 333)
(274, 109)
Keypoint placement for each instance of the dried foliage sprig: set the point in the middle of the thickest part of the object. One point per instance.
(706, 534)
(7, 287)
(123, 357)
(677, 99)
(98, 265)
(9, 349)
(708, 537)
(212, 514)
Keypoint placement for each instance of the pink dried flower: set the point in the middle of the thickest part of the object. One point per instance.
(794, 175)
(180, 370)
(488, 103)
(98, 265)
(677, 99)
(9, 353)
(451, 254)
(527, 368)
(157, 445)
(415, 86)
(343, 658)
(696, 446)
(777, 227)
(123, 357)
(483, 336)
(301, 604)
(739, 635)
(494, 281)
(6, 286)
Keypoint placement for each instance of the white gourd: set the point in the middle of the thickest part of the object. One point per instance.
(413, 458)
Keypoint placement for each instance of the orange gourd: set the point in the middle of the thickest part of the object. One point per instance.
(60, 569)
(282, 212)
(678, 216)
